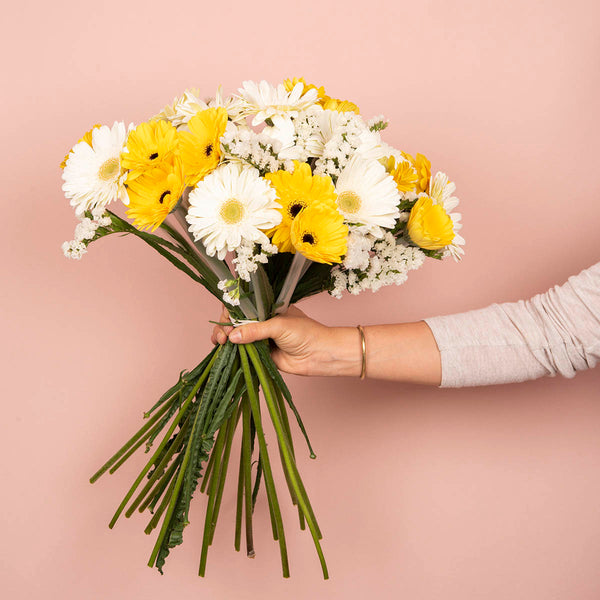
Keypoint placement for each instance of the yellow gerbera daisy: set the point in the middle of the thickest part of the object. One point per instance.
(153, 196)
(87, 137)
(422, 166)
(404, 174)
(319, 234)
(290, 84)
(340, 105)
(296, 191)
(200, 146)
(149, 146)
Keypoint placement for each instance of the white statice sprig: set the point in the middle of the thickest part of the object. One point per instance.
(231, 291)
(249, 256)
(386, 262)
(89, 228)
(259, 150)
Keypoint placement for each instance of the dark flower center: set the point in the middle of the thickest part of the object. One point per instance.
(308, 238)
(164, 195)
(153, 156)
(208, 150)
(295, 209)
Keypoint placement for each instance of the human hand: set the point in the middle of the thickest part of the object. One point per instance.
(303, 346)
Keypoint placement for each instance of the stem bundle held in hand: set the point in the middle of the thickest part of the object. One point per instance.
(276, 193)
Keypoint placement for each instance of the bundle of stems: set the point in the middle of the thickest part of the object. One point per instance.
(196, 420)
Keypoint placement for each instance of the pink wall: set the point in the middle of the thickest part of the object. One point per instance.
(422, 493)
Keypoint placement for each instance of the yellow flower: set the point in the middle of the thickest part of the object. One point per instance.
(296, 191)
(429, 225)
(153, 195)
(87, 137)
(289, 85)
(149, 146)
(322, 98)
(201, 146)
(340, 105)
(319, 234)
(423, 167)
(404, 174)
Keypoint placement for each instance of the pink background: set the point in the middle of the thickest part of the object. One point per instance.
(422, 493)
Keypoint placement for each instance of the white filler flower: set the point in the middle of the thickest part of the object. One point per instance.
(367, 196)
(232, 206)
(93, 176)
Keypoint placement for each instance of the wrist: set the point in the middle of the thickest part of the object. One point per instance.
(341, 355)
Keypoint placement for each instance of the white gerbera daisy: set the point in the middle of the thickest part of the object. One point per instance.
(231, 206)
(265, 100)
(440, 191)
(367, 196)
(93, 175)
(184, 107)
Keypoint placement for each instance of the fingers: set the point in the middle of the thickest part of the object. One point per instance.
(256, 331)
(220, 332)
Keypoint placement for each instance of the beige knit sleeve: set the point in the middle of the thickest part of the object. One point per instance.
(554, 332)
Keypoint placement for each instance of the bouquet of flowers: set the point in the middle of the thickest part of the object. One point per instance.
(264, 197)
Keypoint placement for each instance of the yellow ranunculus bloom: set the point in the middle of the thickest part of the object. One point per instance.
(429, 225)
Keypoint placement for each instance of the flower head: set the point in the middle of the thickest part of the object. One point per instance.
(87, 137)
(340, 105)
(367, 195)
(93, 175)
(265, 101)
(319, 234)
(422, 166)
(201, 146)
(441, 192)
(429, 225)
(290, 84)
(231, 206)
(403, 173)
(149, 146)
(296, 191)
(154, 195)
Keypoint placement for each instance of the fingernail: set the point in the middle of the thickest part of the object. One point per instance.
(235, 336)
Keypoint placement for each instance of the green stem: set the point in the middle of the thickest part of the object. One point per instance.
(175, 492)
(247, 468)
(115, 457)
(286, 426)
(218, 448)
(269, 482)
(168, 435)
(159, 469)
(289, 463)
(160, 486)
(209, 467)
(161, 509)
(237, 540)
(231, 426)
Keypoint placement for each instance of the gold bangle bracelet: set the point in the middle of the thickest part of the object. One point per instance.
(363, 343)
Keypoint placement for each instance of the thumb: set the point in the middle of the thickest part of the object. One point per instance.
(261, 330)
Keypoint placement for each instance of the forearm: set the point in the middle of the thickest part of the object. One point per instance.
(405, 352)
